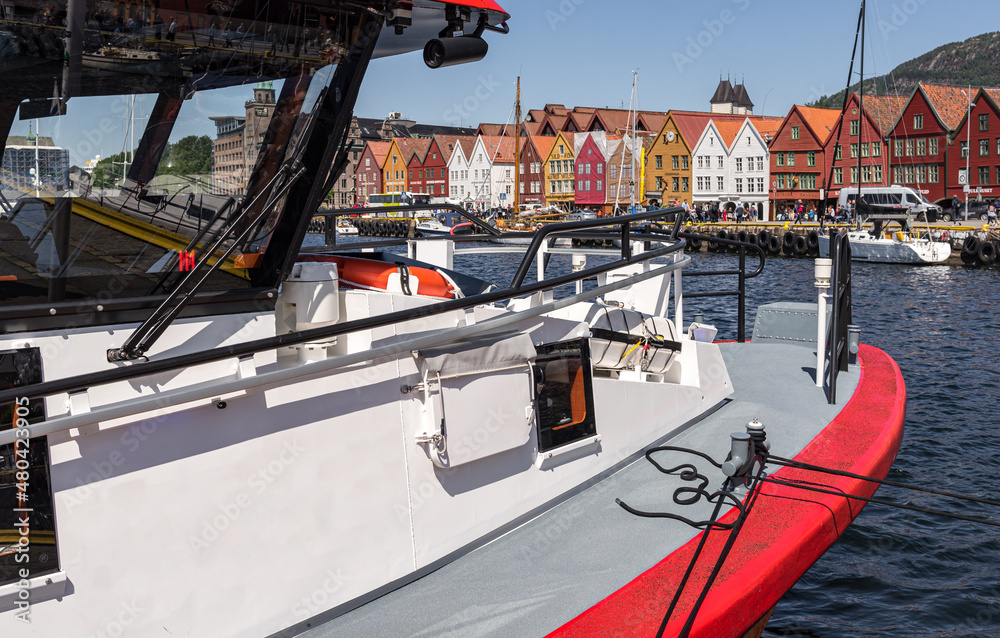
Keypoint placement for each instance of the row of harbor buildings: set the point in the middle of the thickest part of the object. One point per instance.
(583, 157)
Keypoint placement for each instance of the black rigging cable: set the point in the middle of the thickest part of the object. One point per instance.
(777, 460)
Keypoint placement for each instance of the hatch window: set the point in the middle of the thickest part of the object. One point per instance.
(565, 401)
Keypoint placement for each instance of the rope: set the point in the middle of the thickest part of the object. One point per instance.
(777, 460)
(913, 508)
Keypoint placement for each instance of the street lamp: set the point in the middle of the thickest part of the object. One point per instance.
(968, 147)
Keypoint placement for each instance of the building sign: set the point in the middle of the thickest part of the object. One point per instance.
(260, 111)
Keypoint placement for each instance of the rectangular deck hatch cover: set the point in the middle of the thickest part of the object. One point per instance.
(484, 394)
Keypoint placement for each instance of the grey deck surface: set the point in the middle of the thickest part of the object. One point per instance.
(546, 572)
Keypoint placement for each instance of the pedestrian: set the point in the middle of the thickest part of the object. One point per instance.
(954, 208)
(213, 31)
(739, 212)
(991, 215)
(272, 37)
(157, 26)
(172, 30)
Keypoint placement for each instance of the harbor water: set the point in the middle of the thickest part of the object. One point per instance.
(893, 573)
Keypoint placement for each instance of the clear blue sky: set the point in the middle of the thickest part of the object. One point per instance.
(583, 52)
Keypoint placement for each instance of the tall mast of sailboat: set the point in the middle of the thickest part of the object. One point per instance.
(632, 118)
(517, 148)
(861, 105)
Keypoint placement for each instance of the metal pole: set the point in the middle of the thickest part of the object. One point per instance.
(741, 311)
(968, 151)
(821, 338)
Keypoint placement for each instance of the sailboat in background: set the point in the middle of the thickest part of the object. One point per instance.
(901, 247)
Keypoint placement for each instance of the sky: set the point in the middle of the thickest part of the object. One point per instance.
(584, 52)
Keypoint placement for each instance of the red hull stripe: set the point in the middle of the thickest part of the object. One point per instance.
(788, 530)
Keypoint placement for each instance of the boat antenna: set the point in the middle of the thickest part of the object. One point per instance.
(861, 106)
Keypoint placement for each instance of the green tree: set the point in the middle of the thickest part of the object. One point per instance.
(191, 155)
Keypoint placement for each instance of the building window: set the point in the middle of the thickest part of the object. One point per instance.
(760, 184)
(838, 176)
(675, 183)
(932, 145)
(865, 150)
(932, 174)
(921, 147)
(918, 122)
(854, 174)
(897, 174)
(790, 159)
(854, 151)
(600, 169)
(781, 181)
(909, 148)
(552, 166)
(685, 185)
(838, 152)
(965, 149)
(739, 184)
(659, 183)
(984, 148)
(699, 183)
(909, 175)
(795, 136)
(811, 158)
(659, 161)
(665, 139)
(779, 159)
(600, 184)
(613, 171)
(562, 151)
(855, 127)
(686, 162)
(921, 174)
(721, 162)
(613, 190)
(866, 174)
(899, 148)
(998, 174)
(720, 184)
(701, 161)
(984, 175)
(984, 123)
(739, 164)
(675, 162)
(760, 163)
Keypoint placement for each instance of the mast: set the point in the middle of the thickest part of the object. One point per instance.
(861, 104)
(517, 148)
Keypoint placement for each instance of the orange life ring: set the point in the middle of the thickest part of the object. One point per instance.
(355, 272)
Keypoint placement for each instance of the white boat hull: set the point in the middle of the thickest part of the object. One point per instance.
(864, 247)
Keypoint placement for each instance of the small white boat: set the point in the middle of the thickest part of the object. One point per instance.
(445, 224)
(891, 248)
(345, 227)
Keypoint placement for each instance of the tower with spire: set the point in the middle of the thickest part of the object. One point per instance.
(731, 100)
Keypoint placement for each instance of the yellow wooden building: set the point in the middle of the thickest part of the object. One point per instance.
(560, 173)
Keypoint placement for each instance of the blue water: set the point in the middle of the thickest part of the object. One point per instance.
(894, 573)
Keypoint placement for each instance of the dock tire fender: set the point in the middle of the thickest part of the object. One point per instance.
(788, 240)
(973, 244)
(800, 245)
(763, 238)
(987, 253)
(812, 239)
(774, 245)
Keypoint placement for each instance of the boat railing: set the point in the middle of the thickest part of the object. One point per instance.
(326, 333)
(841, 313)
(740, 272)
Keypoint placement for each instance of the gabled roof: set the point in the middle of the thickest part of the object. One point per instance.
(468, 145)
(500, 149)
(543, 144)
(448, 144)
(379, 150)
(728, 130)
(949, 103)
(991, 95)
(819, 121)
(531, 128)
(766, 125)
(410, 146)
(653, 120)
(884, 110)
(429, 130)
(495, 130)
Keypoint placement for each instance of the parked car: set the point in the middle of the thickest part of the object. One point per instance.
(580, 215)
(977, 210)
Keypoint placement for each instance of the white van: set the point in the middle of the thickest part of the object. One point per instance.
(893, 196)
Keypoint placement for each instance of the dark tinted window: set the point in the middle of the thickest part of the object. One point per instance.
(565, 404)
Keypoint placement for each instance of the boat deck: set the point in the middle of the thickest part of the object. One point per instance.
(547, 572)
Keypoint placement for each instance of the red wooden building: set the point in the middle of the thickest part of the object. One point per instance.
(863, 134)
(591, 171)
(531, 176)
(798, 156)
(368, 172)
(417, 177)
(982, 133)
(918, 144)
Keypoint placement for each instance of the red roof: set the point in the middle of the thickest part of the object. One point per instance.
(691, 124)
(543, 144)
(379, 150)
(448, 144)
(884, 111)
(501, 150)
(820, 121)
(950, 103)
(494, 130)
(410, 146)
(728, 130)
